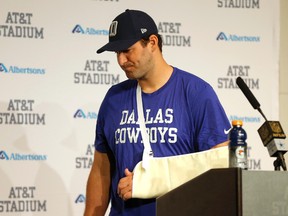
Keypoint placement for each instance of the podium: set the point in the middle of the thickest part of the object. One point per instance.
(228, 192)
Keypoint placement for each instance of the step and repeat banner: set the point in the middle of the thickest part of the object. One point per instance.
(52, 83)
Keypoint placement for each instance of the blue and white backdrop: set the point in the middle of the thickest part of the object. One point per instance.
(52, 83)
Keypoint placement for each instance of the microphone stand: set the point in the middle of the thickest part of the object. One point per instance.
(280, 162)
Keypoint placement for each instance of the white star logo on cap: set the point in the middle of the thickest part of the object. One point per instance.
(143, 30)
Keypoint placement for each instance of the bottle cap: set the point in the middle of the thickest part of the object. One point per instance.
(237, 122)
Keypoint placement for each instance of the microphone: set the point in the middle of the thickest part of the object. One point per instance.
(249, 95)
(271, 132)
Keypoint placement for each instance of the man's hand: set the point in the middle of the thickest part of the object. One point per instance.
(125, 186)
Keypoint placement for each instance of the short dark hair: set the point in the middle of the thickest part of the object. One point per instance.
(145, 41)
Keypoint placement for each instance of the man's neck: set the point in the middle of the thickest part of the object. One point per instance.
(159, 77)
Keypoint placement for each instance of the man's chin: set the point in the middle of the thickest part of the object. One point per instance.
(129, 75)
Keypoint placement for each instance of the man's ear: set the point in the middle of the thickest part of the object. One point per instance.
(153, 40)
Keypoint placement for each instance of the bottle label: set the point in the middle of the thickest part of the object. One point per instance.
(238, 157)
(240, 152)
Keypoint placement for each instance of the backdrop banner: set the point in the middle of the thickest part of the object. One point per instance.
(52, 83)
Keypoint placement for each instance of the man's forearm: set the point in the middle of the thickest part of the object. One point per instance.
(97, 199)
(98, 186)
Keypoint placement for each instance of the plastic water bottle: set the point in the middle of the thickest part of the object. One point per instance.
(238, 146)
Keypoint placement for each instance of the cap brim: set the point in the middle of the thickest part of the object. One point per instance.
(117, 45)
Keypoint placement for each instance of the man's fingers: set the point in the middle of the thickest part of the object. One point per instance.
(124, 189)
(128, 173)
(127, 196)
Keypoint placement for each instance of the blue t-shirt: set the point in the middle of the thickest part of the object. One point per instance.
(183, 116)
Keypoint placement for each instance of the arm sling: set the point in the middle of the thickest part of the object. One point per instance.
(155, 176)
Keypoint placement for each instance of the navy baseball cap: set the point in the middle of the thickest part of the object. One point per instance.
(128, 28)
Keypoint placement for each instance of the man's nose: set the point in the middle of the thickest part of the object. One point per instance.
(122, 59)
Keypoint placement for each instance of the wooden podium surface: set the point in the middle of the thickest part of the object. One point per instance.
(228, 192)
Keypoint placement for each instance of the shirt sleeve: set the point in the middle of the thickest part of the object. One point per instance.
(209, 118)
(100, 139)
(100, 142)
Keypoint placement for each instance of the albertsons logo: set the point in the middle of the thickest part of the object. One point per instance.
(78, 29)
(3, 155)
(85, 115)
(236, 38)
(21, 70)
(3, 68)
(22, 157)
(80, 199)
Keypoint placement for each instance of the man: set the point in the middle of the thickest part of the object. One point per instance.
(182, 115)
